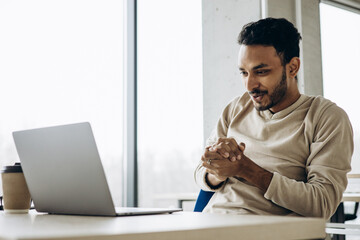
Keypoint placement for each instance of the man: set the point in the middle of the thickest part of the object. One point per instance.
(274, 150)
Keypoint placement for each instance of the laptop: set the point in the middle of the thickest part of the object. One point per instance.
(64, 174)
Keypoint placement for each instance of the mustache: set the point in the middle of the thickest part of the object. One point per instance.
(257, 91)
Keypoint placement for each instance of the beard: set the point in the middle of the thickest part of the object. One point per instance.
(277, 95)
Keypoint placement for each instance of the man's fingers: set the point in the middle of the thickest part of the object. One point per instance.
(228, 148)
(211, 164)
(235, 149)
(210, 155)
(222, 149)
(222, 168)
(242, 146)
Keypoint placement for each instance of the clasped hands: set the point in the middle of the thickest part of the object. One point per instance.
(223, 159)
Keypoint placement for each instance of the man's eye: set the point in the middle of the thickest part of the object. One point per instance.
(242, 73)
(261, 72)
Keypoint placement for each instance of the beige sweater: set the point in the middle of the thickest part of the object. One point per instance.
(308, 146)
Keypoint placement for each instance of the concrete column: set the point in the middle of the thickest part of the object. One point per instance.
(308, 22)
(305, 15)
(222, 22)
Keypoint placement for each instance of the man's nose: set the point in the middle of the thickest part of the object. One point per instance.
(251, 82)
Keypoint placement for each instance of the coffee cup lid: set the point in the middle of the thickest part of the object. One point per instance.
(12, 169)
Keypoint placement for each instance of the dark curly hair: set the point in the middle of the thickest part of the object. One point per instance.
(276, 32)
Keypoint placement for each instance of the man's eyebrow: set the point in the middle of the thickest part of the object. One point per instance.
(256, 67)
(260, 66)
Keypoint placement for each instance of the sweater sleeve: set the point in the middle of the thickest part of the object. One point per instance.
(326, 167)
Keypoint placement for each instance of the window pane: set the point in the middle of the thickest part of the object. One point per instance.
(170, 129)
(340, 38)
(61, 62)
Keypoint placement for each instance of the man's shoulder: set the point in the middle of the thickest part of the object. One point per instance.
(237, 105)
(325, 108)
(241, 100)
(322, 103)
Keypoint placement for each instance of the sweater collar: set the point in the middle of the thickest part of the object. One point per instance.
(267, 114)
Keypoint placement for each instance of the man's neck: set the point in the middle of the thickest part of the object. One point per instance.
(290, 98)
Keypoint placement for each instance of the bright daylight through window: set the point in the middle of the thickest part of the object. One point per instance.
(340, 38)
(61, 62)
(170, 129)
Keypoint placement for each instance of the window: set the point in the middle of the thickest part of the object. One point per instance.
(61, 62)
(340, 38)
(170, 129)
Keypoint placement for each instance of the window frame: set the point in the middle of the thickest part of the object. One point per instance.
(349, 5)
(130, 168)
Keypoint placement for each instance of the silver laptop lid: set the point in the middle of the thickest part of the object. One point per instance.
(63, 170)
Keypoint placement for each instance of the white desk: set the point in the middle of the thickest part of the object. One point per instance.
(181, 225)
(351, 197)
(352, 192)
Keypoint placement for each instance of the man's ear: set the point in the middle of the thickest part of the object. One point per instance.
(294, 66)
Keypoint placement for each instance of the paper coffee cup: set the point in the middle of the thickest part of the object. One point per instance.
(16, 194)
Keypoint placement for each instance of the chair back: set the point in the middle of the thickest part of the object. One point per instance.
(202, 200)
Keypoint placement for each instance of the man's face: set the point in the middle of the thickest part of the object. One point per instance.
(264, 77)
